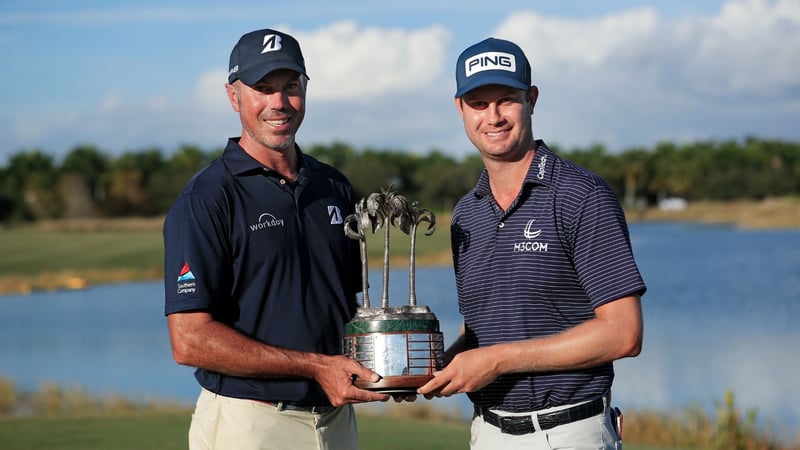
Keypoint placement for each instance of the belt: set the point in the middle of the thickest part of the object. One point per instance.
(518, 425)
(289, 406)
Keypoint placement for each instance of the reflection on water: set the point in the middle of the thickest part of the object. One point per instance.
(722, 312)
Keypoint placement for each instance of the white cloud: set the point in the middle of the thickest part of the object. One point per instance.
(355, 73)
(158, 103)
(632, 78)
(111, 103)
(351, 63)
(582, 44)
(209, 92)
(346, 61)
(749, 49)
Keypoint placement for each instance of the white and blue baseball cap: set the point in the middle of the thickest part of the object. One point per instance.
(260, 52)
(492, 61)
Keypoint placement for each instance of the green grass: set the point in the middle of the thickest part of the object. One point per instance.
(120, 431)
(67, 255)
(394, 433)
(131, 244)
(167, 430)
(433, 249)
(31, 251)
(56, 418)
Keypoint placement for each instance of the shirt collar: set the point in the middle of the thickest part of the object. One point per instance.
(240, 163)
(540, 171)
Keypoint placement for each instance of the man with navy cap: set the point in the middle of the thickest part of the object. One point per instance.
(260, 278)
(545, 274)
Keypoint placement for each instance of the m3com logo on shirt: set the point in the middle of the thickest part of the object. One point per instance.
(530, 245)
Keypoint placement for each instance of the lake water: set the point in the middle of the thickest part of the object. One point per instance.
(722, 312)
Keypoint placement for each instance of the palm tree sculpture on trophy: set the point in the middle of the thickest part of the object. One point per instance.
(417, 216)
(403, 344)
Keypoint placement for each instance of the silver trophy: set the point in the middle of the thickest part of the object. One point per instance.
(403, 344)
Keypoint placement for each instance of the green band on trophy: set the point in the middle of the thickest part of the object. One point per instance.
(391, 325)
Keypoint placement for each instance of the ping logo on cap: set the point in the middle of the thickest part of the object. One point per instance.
(272, 42)
(490, 61)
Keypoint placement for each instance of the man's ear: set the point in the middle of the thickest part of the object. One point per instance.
(533, 95)
(233, 94)
(459, 104)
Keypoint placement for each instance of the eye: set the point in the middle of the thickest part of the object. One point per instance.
(478, 104)
(263, 88)
(293, 87)
(506, 100)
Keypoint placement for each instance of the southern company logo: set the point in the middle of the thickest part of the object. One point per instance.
(186, 280)
(186, 273)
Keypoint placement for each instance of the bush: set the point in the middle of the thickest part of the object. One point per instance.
(727, 429)
(8, 397)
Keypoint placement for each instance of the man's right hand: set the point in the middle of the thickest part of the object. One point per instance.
(337, 376)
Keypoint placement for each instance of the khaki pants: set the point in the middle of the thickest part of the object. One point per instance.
(225, 423)
(593, 433)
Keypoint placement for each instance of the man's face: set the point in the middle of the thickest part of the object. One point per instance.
(271, 110)
(497, 120)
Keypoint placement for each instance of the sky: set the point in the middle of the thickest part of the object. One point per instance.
(126, 76)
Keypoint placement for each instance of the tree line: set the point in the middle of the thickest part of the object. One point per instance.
(89, 183)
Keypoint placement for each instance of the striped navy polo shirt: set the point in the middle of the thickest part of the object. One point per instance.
(561, 250)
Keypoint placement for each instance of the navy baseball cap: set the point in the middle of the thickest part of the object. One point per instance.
(492, 61)
(260, 52)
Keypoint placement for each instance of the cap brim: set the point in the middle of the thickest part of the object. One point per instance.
(255, 74)
(502, 80)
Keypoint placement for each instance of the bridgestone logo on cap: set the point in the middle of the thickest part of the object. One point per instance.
(272, 43)
(490, 61)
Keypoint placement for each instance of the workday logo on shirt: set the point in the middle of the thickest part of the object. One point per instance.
(266, 221)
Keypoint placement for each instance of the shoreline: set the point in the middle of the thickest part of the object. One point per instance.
(777, 213)
(770, 213)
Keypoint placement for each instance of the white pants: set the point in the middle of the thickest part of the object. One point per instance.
(225, 423)
(593, 433)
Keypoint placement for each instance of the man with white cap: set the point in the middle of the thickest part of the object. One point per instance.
(545, 274)
(260, 278)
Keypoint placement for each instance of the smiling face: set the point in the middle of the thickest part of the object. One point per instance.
(270, 110)
(498, 120)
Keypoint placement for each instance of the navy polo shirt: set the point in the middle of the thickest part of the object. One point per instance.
(560, 250)
(269, 259)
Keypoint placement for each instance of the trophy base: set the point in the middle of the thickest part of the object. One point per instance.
(395, 385)
(403, 345)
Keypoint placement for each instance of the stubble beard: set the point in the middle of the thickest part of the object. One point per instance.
(279, 143)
